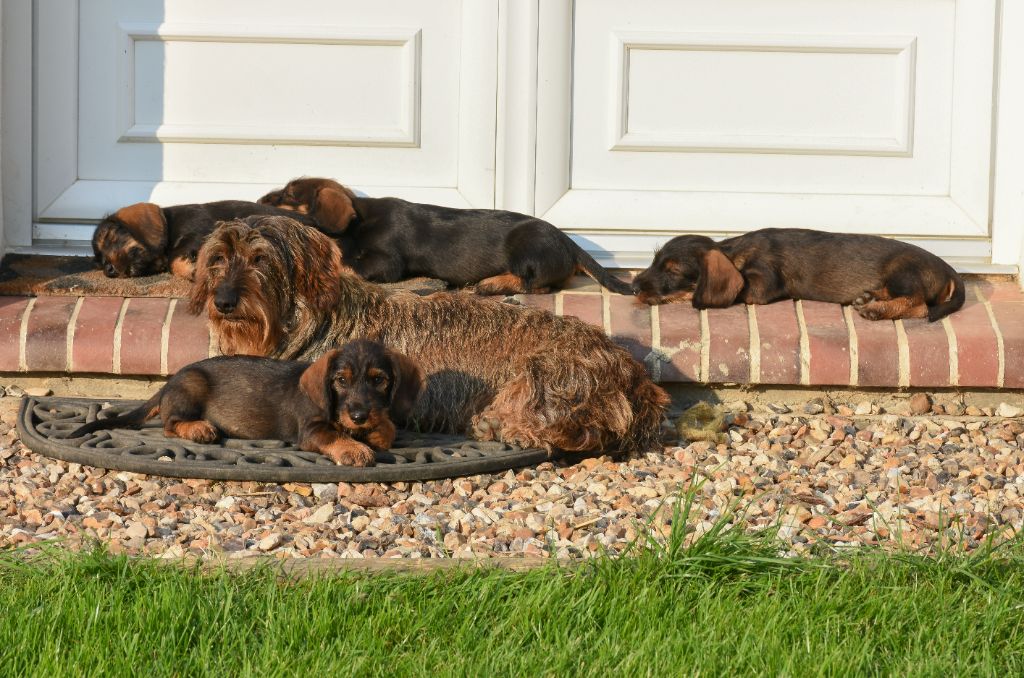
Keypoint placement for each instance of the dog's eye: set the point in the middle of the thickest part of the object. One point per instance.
(340, 380)
(378, 380)
(217, 260)
(259, 259)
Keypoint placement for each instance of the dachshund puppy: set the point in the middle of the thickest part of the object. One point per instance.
(340, 406)
(882, 278)
(145, 239)
(388, 239)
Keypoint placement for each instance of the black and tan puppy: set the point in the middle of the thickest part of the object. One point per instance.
(388, 239)
(145, 239)
(882, 278)
(340, 406)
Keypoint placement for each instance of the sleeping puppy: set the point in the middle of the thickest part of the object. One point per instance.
(882, 278)
(145, 239)
(340, 406)
(388, 239)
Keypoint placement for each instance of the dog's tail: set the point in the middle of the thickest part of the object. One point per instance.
(954, 299)
(649, 404)
(587, 264)
(131, 419)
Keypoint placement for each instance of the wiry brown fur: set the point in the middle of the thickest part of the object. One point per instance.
(496, 370)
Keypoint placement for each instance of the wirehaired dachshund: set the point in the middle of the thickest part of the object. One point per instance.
(884, 279)
(495, 371)
(341, 406)
(145, 239)
(388, 239)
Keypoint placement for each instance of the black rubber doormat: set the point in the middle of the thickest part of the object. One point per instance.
(43, 423)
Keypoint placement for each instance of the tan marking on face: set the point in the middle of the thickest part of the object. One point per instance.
(182, 267)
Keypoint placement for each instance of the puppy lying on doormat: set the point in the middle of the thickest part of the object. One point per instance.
(388, 239)
(882, 278)
(146, 239)
(340, 406)
(274, 287)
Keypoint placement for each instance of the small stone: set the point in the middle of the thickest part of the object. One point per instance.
(814, 407)
(321, 515)
(38, 392)
(779, 408)
(269, 543)
(325, 491)
(136, 530)
(1008, 410)
(920, 403)
(863, 407)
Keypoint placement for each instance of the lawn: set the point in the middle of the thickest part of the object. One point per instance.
(726, 605)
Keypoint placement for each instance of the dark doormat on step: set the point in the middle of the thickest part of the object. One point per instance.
(43, 423)
(34, 275)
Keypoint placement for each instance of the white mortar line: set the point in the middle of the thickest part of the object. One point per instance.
(606, 311)
(705, 348)
(851, 332)
(755, 345)
(69, 357)
(1000, 351)
(23, 335)
(954, 355)
(165, 336)
(559, 302)
(805, 345)
(214, 347)
(117, 335)
(903, 353)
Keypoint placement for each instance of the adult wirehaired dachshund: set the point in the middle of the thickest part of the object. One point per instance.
(338, 406)
(389, 239)
(882, 278)
(274, 287)
(145, 239)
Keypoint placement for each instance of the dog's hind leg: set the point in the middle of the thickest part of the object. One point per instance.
(198, 431)
(880, 305)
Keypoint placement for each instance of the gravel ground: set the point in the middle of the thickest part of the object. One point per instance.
(826, 475)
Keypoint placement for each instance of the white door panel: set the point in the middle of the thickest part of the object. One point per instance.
(717, 116)
(192, 100)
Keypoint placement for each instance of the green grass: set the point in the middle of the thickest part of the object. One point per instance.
(725, 605)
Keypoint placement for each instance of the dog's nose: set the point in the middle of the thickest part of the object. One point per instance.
(358, 416)
(110, 271)
(225, 301)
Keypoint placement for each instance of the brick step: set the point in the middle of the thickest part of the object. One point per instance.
(787, 343)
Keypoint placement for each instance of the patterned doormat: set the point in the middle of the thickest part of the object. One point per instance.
(43, 423)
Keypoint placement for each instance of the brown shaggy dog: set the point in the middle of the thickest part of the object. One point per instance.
(274, 287)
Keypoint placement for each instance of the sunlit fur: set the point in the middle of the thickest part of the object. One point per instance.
(494, 370)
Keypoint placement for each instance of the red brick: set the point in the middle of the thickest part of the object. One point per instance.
(929, 352)
(779, 334)
(141, 335)
(997, 291)
(828, 341)
(976, 346)
(730, 345)
(631, 325)
(46, 344)
(188, 339)
(587, 307)
(680, 332)
(545, 302)
(1010, 318)
(11, 310)
(93, 348)
(878, 359)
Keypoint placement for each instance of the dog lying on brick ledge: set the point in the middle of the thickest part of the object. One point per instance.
(340, 406)
(388, 239)
(146, 239)
(882, 278)
(273, 287)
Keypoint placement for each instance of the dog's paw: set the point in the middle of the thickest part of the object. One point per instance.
(486, 428)
(381, 439)
(870, 312)
(348, 452)
(200, 431)
(863, 300)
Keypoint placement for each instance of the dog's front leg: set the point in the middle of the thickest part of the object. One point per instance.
(343, 450)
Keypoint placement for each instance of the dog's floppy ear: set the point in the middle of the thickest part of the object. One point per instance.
(313, 381)
(334, 210)
(720, 281)
(146, 223)
(407, 385)
(318, 282)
